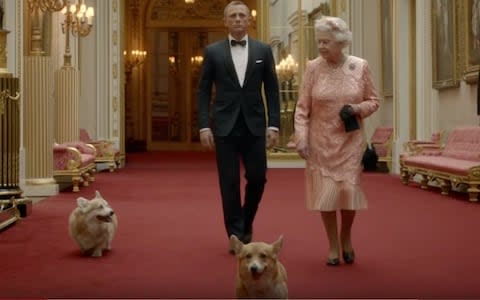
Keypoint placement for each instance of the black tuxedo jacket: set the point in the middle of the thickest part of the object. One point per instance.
(231, 99)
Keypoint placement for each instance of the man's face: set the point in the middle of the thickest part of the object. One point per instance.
(237, 20)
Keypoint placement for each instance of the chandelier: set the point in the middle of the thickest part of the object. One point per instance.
(78, 22)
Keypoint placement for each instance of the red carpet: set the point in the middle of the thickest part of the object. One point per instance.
(171, 243)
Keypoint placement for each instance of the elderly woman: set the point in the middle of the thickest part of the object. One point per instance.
(334, 84)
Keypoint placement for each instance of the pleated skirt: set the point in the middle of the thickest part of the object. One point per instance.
(323, 193)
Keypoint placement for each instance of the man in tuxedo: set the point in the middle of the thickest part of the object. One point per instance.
(238, 67)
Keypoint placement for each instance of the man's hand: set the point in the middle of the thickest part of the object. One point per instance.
(302, 150)
(206, 138)
(272, 138)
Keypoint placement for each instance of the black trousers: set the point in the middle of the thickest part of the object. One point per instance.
(240, 146)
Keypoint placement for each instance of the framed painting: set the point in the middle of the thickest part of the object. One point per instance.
(444, 52)
(469, 17)
(387, 53)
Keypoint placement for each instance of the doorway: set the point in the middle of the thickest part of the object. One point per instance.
(172, 77)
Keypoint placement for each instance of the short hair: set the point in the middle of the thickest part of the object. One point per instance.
(335, 26)
(234, 3)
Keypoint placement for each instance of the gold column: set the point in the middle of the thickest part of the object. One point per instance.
(38, 122)
(38, 114)
(12, 204)
(67, 94)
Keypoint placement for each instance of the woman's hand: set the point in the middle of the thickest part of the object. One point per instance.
(302, 150)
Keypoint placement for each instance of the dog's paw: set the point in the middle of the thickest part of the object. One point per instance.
(97, 253)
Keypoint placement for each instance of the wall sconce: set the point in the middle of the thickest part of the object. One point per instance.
(189, 1)
(134, 59)
(78, 22)
(253, 13)
(172, 64)
(196, 62)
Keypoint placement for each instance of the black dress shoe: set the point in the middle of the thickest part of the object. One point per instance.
(348, 257)
(333, 261)
(247, 238)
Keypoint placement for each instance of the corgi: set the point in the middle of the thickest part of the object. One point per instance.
(92, 224)
(259, 273)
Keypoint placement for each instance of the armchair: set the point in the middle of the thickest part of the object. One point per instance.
(74, 162)
(381, 140)
(106, 151)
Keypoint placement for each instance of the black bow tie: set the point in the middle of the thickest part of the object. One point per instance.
(242, 43)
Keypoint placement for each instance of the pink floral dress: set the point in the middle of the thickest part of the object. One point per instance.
(334, 165)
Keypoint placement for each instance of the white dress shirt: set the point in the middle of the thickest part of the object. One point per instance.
(240, 58)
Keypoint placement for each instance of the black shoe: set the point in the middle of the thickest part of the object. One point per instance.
(348, 257)
(333, 261)
(247, 238)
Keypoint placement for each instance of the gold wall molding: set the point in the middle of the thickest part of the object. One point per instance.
(469, 55)
(199, 13)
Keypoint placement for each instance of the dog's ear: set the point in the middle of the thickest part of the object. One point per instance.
(82, 203)
(97, 195)
(235, 244)
(277, 245)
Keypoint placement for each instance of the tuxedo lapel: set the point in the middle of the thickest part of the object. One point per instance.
(251, 61)
(229, 63)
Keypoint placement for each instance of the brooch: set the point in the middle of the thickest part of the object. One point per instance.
(351, 66)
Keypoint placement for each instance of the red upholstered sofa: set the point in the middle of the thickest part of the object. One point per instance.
(458, 162)
(417, 145)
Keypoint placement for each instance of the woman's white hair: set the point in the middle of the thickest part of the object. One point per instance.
(335, 26)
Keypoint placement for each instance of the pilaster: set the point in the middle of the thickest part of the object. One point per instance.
(38, 127)
(402, 77)
(425, 118)
(67, 95)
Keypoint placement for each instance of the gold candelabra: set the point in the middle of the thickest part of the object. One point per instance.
(36, 9)
(133, 59)
(78, 22)
(286, 69)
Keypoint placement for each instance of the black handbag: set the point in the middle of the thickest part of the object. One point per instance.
(348, 117)
(370, 159)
